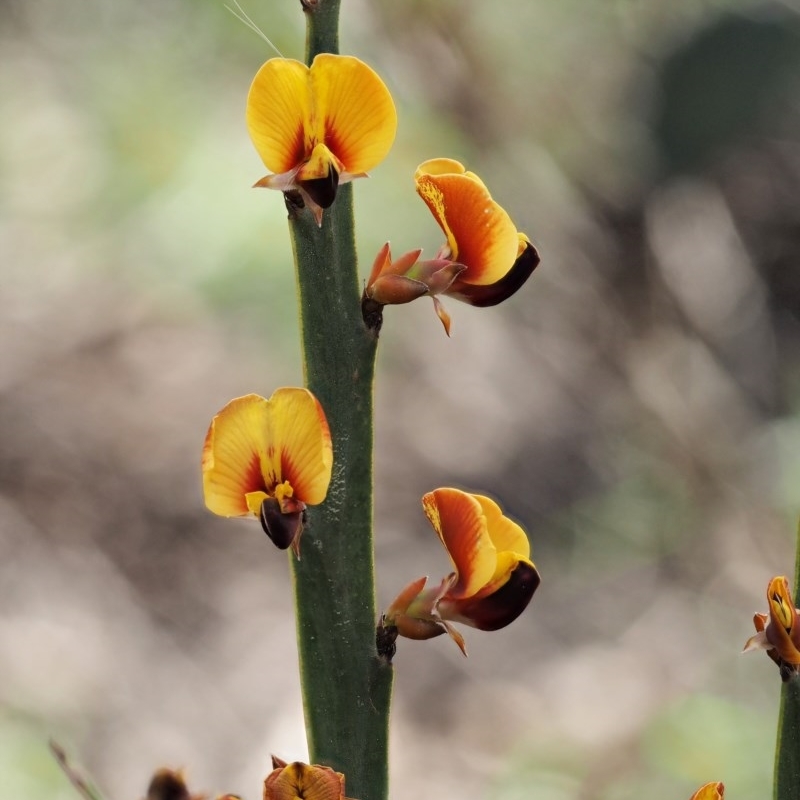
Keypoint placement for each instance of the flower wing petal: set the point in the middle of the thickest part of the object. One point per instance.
(302, 443)
(279, 113)
(353, 112)
(505, 534)
(458, 519)
(234, 454)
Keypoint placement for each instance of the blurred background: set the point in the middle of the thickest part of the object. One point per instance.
(635, 405)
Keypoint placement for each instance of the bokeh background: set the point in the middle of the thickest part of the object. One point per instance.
(635, 405)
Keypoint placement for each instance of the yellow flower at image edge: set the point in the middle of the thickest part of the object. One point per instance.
(778, 632)
(483, 261)
(268, 459)
(711, 791)
(491, 585)
(320, 126)
(298, 780)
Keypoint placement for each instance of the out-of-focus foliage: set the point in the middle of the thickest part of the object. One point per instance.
(635, 404)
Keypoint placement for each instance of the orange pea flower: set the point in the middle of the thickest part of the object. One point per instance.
(711, 791)
(778, 632)
(491, 585)
(298, 780)
(320, 126)
(268, 459)
(483, 261)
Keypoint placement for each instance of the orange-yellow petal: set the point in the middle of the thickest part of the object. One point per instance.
(711, 791)
(233, 454)
(507, 562)
(353, 112)
(279, 113)
(458, 519)
(441, 166)
(504, 533)
(479, 232)
(300, 443)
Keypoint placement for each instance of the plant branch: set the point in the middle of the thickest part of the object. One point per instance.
(346, 686)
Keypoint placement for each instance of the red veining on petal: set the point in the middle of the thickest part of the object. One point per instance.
(332, 141)
(299, 147)
(253, 479)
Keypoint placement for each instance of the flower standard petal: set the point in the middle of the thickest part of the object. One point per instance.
(459, 521)
(353, 112)
(442, 166)
(301, 443)
(278, 113)
(480, 234)
(234, 455)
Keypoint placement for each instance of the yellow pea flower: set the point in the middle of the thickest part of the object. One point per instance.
(483, 261)
(268, 459)
(320, 126)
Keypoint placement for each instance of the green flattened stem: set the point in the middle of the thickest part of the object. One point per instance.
(787, 753)
(346, 687)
